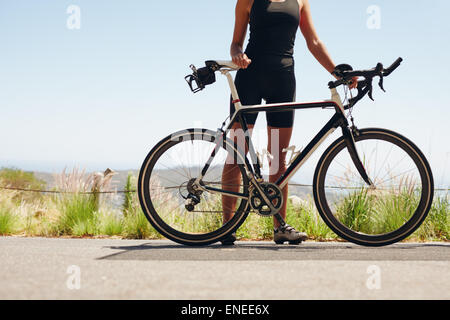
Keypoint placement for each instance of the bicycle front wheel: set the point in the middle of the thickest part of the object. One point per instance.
(165, 182)
(389, 211)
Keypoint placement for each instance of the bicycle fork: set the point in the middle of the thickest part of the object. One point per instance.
(351, 147)
(349, 138)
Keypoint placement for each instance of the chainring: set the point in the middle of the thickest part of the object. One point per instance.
(273, 193)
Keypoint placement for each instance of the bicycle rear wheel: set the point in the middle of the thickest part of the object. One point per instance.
(389, 212)
(165, 182)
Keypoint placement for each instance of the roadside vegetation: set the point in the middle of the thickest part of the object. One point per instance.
(76, 213)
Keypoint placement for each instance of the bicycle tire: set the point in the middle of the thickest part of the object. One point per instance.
(145, 195)
(419, 215)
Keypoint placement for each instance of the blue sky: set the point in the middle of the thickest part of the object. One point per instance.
(103, 95)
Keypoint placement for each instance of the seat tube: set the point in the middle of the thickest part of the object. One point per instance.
(251, 149)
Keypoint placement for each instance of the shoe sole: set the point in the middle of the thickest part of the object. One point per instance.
(227, 243)
(295, 242)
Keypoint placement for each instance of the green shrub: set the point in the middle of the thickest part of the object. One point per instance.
(77, 216)
(111, 224)
(306, 218)
(8, 221)
(437, 225)
(355, 211)
(135, 225)
(256, 227)
(128, 197)
(16, 178)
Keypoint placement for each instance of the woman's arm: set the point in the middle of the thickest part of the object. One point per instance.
(315, 45)
(240, 30)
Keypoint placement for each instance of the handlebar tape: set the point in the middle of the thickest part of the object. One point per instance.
(394, 66)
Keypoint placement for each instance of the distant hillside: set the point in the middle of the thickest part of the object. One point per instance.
(119, 181)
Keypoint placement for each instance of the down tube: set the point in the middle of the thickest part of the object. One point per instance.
(326, 131)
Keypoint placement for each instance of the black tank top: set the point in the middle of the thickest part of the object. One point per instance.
(273, 28)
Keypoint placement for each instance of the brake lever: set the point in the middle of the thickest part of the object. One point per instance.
(370, 94)
(380, 83)
(369, 88)
(361, 86)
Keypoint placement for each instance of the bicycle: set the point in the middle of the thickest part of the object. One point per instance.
(372, 186)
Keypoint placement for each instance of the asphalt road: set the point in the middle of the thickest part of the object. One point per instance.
(38, 268)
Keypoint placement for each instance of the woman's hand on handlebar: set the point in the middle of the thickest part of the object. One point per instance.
(241, 60)
(353, 83)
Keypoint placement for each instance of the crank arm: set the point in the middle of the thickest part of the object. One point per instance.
(280, 219)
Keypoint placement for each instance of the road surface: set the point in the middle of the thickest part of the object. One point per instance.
(41, 268)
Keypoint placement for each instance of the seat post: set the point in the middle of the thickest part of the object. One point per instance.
(234, 93)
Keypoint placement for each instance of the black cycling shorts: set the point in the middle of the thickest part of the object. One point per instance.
(274, 86)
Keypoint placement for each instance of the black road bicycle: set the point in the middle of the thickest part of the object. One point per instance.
(372, 186)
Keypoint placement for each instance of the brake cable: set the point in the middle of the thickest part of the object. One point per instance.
(348, 91)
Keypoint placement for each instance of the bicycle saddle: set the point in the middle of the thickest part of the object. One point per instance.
(218, 64)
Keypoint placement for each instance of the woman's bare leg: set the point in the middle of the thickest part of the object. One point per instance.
(279, 139)
(231, 175)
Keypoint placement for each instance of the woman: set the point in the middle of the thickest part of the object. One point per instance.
(267, 72)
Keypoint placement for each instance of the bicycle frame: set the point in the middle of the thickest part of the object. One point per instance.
(339, 119)
(337, 179)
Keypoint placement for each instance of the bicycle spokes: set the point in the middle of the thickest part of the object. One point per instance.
(382, 207)
(175, 195)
